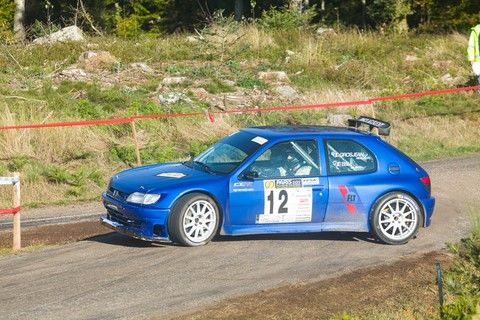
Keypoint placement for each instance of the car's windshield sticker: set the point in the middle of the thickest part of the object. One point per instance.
(260, 140)
(176, 175)
(286, 201)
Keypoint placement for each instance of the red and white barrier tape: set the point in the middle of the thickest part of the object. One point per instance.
(10, 210)
(211, 114)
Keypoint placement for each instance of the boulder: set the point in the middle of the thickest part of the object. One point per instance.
(142, 66)
(200, 94)
(286, 92)
(93, 60)
(231, 101)
(325, 31)
(173, 80)
(67, 34)
(280, 76)
(448, 79)
(173, 98)
(338, 120)
(73, 74)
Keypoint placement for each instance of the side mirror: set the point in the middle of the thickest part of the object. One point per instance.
(249, 175)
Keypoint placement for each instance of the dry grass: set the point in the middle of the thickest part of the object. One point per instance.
(349, 65)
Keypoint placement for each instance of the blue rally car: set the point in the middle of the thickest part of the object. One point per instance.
(284, 179)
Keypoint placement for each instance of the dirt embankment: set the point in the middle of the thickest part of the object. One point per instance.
(405, 289)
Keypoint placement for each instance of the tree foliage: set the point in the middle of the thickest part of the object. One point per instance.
(129, 18)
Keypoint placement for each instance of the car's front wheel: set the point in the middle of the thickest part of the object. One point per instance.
(193, 220)
(396, 218)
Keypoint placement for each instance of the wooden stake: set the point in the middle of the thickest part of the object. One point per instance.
(17, 239)
(137, 146)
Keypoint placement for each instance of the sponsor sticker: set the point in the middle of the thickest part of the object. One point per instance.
(310, 181)
(175, 175)
(260, 140)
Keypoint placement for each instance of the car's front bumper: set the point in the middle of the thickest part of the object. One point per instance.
(137, 221)
(131, 232)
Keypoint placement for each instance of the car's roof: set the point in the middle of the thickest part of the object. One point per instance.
(303, 130)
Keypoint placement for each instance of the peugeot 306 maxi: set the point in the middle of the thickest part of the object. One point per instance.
(285, 179)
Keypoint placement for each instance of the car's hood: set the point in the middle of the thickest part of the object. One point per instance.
(152, 178)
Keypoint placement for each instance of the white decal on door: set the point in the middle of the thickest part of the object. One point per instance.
(286, 201)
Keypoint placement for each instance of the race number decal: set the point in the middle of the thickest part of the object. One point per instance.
(285, 201)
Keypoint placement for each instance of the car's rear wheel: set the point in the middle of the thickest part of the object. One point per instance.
(396, 218)
(193, 220)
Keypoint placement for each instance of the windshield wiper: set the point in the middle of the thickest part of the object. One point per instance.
(204, 166)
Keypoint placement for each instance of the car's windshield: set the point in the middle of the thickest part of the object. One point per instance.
(226, 155)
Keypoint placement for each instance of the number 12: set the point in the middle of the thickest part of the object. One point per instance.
(282, 196)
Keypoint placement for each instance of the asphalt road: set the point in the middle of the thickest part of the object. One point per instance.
(114, 277)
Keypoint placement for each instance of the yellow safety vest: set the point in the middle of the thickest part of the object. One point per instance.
(473, 50)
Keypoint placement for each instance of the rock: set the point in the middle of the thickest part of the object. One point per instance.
(93, 60)
(286, 92)
(72, 33)
(289, 52)
(229, 83)
(448, 79)
(74, 74)
(142, 66)
(411, 58)
(325, 31)
(192, 39)
(173, 80)
(174, 97)
(338, 120)
(234, 100)
(200, 94)
(273, 75)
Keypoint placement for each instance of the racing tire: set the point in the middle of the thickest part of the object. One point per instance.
(396, 218)
(193, 220)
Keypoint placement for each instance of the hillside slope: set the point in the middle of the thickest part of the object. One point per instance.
(222, 69)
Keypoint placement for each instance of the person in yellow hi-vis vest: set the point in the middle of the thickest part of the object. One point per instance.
(473, 50)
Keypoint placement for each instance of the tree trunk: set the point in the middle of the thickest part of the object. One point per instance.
(239, 9)
(18, 26)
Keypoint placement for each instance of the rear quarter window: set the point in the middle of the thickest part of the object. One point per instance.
(345, 156)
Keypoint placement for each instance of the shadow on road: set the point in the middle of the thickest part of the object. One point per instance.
(327, 236)
(126, 241)
(118, 239)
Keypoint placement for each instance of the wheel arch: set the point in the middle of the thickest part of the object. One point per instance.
(415, 198)
(210, 195)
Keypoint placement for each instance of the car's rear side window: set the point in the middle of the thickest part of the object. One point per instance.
(346, 156)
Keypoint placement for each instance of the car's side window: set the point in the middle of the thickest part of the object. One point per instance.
(348, 157)
(296, 158)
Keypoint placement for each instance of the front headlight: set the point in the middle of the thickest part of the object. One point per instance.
(143, 198)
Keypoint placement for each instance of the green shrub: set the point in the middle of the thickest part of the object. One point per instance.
(18, 163)
(286, 18)
(218, 86)
(249, 81)
(7, 10)
(463, 279)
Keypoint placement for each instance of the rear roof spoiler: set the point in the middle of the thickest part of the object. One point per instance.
(382, 126)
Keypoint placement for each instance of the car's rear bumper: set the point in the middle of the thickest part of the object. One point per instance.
(428, 207)
(137, 221)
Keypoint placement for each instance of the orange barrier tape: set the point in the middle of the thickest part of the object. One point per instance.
(211, 114)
